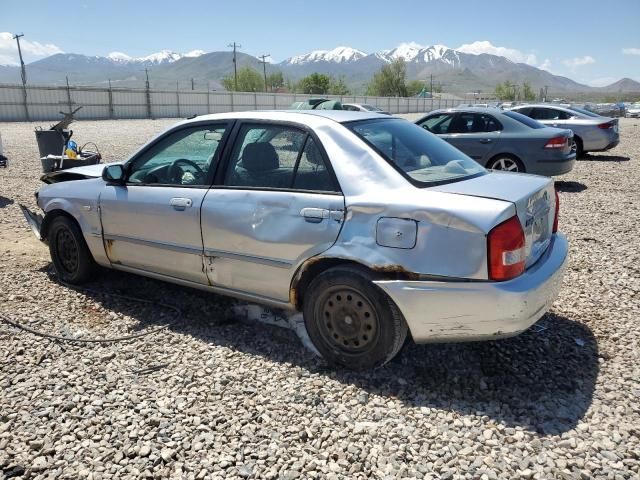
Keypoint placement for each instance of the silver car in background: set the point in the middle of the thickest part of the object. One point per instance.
(363, 107)
(368, 224)
(504, 140)
(591, 132)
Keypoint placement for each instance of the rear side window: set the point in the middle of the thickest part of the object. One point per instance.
(312, 172)
(278, 156)
(529, 122)
(549, 114)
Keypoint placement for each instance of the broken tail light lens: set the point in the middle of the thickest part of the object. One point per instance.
(506, 250)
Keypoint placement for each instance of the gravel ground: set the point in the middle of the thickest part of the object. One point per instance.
(209, 398)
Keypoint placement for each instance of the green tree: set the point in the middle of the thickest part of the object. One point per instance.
(390, 81)
(506, 91)
(315, 83)
(275, 80)
(414, 87)
(249, 80)
(338, 86)
(527, 92)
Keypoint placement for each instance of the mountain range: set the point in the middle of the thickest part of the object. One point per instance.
(455, 71)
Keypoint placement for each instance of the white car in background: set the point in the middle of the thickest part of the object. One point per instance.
(633, 111)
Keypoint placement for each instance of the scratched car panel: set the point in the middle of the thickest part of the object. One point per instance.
(369, 225)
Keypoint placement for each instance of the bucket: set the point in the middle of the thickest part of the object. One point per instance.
(50, 142)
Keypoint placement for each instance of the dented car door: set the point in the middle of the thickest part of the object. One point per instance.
(276, 204)
(153, 222)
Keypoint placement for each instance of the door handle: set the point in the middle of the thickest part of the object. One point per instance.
(485, 140)
(314, 215)
(179, 203)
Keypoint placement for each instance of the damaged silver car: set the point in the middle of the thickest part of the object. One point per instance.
(371, 226)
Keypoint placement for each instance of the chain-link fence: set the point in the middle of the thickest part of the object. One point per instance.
(30, 103)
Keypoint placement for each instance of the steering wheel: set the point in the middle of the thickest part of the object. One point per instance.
(175, 172)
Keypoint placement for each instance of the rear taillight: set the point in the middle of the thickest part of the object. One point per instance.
(556, 142)
(606, 126)
(505, 250)
(555, 216)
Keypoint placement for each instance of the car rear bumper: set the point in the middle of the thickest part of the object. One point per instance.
(552, 168)
(441, 311)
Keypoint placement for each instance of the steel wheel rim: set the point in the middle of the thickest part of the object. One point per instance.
(505, 164)
(348, 321)
(67, 251)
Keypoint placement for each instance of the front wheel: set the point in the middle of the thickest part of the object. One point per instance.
(506, 163)
(69, 252)
(351, 321)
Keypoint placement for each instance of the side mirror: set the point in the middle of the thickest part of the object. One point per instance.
(114, 175)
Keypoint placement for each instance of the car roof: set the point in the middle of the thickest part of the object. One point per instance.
(492, 110)
(300, 116)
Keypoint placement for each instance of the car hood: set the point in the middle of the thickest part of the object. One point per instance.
(77, 173)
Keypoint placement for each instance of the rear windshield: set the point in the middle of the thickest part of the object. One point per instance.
(371, 108)
(529, 122)
(584, 112)
(421, 156)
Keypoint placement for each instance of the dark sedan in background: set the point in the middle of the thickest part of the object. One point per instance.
(504, 140)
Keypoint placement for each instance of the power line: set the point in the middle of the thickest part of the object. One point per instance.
(235, 63)
(263, 61)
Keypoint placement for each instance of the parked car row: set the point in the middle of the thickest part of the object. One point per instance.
(504, 140)
(371, 226)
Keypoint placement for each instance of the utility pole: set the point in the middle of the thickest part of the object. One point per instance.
(148, 90)
(23, 73)
(263, 61)
(192, 83)
(546, 89)
(235, 64)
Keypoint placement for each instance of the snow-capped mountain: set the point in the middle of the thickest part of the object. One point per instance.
(412, 52)
(158, 58)
(337, 55)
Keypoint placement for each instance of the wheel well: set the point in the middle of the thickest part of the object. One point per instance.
(50, 217)
(310, 270)
(508, 155)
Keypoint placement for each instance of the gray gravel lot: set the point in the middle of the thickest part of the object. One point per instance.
(209, 398)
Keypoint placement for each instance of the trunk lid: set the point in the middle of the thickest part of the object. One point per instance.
(532, 195)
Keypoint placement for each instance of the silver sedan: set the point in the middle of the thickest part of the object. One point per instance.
(504, 140)
(372, 227)
(591, 132)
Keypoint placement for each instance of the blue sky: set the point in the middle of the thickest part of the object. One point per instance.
(591, 41)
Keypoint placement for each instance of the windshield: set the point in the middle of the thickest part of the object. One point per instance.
(418, 154)
(529, 122)
(584, 112)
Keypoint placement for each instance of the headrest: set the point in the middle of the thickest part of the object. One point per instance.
(260, 157)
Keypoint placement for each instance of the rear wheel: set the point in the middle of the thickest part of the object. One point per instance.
(351, 321)
(506, 163)
(69, 252)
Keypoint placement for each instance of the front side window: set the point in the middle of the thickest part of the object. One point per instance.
(470, 122)
(424, 158)
(438, 124)
(548, 114)
(184, 157)
(277, 156)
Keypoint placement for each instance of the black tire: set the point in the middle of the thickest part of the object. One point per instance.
(351, 321)
(579, 147)
(496, 163)
(70, 255)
